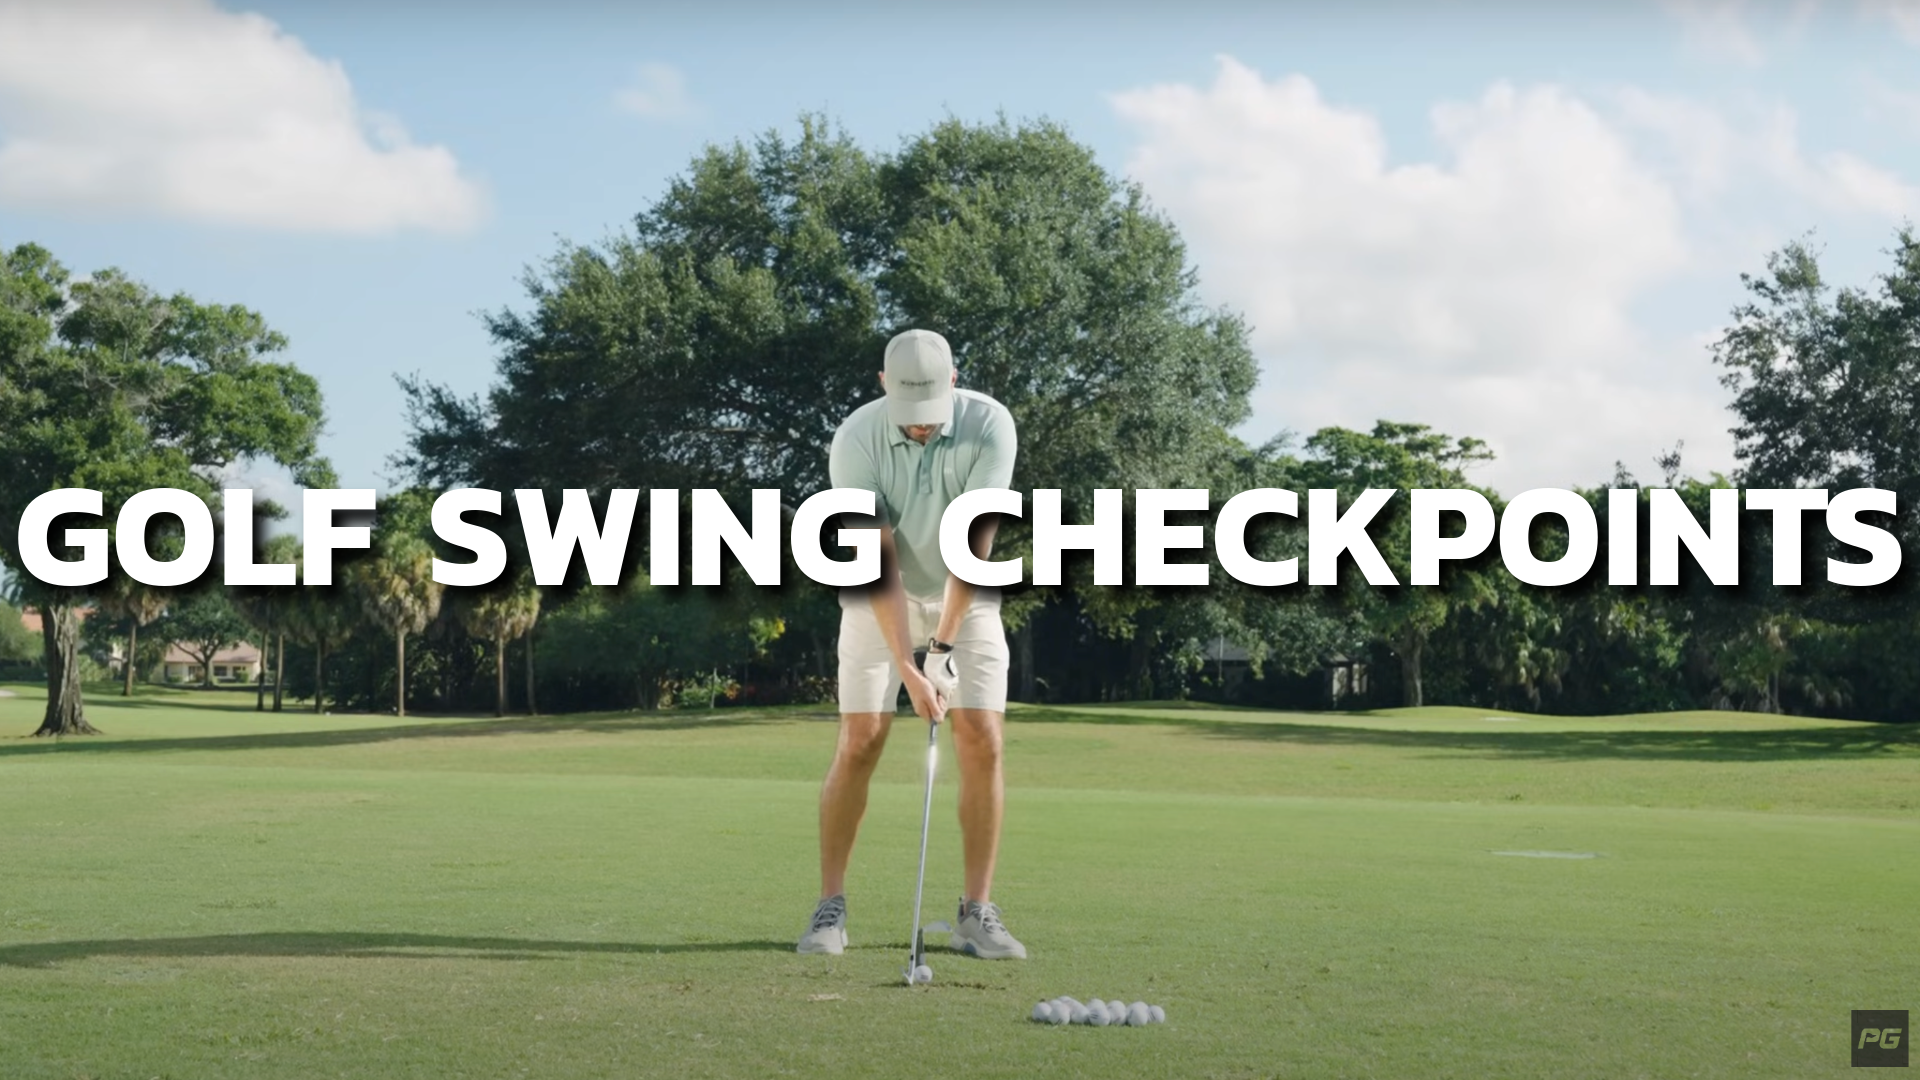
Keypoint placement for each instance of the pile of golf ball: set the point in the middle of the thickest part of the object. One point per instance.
(1065, 1010)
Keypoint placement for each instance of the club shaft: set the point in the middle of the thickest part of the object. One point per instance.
(926, 821)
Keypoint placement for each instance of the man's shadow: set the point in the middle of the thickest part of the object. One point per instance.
(352, 945)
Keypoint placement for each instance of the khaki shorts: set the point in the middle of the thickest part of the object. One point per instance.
(868, 682)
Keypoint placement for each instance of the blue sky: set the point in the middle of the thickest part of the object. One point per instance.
(1508, 222)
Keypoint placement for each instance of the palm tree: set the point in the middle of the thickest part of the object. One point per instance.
(397, 591)
(320, 619)
(501, 616)
(267, 609)
(139, 605)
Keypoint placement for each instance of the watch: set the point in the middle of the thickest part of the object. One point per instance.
(935, 645)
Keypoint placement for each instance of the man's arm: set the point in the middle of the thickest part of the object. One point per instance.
(889, 599)
(993, 468)
(959, 593)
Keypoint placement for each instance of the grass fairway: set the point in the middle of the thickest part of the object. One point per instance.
(209, 892)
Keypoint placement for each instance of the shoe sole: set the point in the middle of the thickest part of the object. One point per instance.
(823, 949)
(970, 949)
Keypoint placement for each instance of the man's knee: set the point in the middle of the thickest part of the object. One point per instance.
(862, 738)
(977, 735)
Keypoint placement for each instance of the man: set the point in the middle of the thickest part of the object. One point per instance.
(917, 448)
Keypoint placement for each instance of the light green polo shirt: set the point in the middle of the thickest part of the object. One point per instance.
(913, 484)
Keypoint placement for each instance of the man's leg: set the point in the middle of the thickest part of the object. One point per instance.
(843, 798)
(867, 693)
(979, 719)
(977, 743)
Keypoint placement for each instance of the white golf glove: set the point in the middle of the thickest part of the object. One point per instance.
(939, 670)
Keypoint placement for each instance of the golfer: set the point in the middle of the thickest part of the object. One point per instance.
(917, 449)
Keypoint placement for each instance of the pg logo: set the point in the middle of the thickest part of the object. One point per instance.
(1879, 1038)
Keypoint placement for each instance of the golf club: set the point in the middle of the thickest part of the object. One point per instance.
(917, 970)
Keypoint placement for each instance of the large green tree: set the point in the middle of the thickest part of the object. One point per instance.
(106, 384)
(721, 340)
(1400, 457)
(1824, 385)
(1824, 379)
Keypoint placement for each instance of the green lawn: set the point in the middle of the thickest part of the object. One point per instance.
(206, 891)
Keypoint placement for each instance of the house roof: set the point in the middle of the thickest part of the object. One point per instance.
(1223, 650)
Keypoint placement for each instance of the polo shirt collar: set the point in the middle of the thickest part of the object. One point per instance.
(900, 436)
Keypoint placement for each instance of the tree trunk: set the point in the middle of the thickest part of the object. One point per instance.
(260, 680)
(400, 673)
(319, 675)
(279, 667)
(1411, 646)
(533, 707)
(500, 675)
(133, 650)
(1139, 677)
(1023, 640)
(66, 713)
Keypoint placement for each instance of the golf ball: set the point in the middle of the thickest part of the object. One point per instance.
(923, 974)
(1138, 1016)
(1079, 1013)
(1061, 1014)
(1043, 1012)
(1097, 1014)
(1159, 1014)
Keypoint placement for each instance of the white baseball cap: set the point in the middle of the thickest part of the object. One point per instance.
(919, 379)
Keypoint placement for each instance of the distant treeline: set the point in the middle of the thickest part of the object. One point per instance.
(718, 343)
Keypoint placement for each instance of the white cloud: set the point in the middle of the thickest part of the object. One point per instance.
(1903, 14)
(1710, 153)
(176, 108)
(1889, 104)
(1746, 32)
(1486, 294)
(1719, 28)
(657, 92)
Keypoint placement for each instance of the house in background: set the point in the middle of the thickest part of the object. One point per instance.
(235, 663)
(1227, 662)
(1347, 676)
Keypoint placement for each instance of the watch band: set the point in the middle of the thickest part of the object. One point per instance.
(935, 645)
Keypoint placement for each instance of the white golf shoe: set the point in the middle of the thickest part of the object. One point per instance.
(980, 933)
(828, 931)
